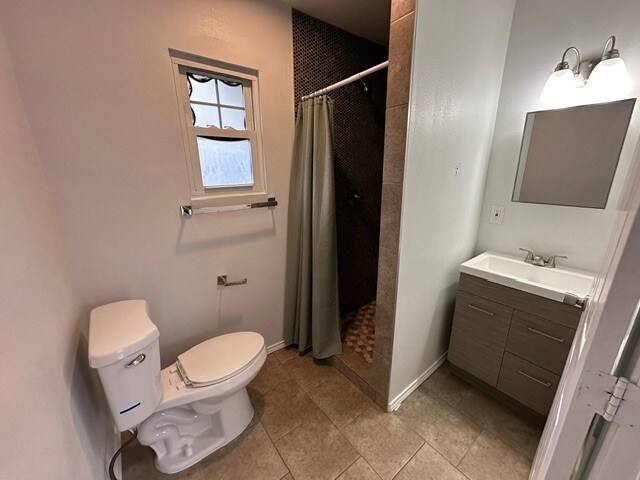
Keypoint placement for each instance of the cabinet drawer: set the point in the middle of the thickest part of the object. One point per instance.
(540, 341)
(561, 313)
(531, 385)
(479, 336)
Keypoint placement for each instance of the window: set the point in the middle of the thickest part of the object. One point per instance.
(219, 112)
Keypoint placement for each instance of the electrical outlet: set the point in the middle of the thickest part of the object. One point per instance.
(497, 214)
(456, 169)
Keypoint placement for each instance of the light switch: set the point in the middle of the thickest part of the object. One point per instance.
(497, 214)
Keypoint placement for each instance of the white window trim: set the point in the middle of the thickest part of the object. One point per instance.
(230, 194)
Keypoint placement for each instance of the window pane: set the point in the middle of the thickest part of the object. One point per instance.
(225, 162)
(233, 118)
(202, 88)
(206, 116)
(231, 93)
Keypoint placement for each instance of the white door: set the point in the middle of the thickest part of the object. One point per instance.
(577, 442)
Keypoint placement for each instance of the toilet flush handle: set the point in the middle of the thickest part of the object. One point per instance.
(136, 361)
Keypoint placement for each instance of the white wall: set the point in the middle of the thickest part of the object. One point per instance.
(541, 31)
(459, 53)
(53, 425)
(97, 84)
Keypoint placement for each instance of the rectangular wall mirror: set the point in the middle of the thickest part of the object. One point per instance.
(569, 156)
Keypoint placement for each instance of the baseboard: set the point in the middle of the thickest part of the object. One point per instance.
(276, 346)
(396, 402)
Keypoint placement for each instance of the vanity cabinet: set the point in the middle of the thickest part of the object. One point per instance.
(480, 331)
(512, 341)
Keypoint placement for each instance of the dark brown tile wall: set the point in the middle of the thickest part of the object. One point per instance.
(322, 55)
(400, 51)
(400, 8)
(400, 55)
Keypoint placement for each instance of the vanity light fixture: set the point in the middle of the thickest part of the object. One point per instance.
(605, 78)
(610, 76)
(562, 83)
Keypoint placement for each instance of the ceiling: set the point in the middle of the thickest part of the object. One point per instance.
(366, 18)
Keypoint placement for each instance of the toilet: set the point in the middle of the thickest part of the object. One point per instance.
(187, 410)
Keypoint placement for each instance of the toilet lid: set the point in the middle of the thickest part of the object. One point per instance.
(220, 358)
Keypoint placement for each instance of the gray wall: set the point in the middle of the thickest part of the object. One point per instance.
(54, 421)
(454, 97)
(541, 31)
(98, 89)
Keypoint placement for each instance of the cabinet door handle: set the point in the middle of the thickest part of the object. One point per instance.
(546, 335)
(544, 384)
(478, 309)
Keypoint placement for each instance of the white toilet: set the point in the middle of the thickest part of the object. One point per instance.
(186, 411)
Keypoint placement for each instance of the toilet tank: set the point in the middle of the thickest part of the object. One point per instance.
(124, 348)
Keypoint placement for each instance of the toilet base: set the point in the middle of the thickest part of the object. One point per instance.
(182, 436)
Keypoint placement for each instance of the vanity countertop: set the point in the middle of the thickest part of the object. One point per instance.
(552, 283)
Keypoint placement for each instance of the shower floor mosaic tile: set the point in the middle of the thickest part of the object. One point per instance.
(358, 331)
(311, 423)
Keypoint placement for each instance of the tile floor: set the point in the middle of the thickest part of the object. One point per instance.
(358, 339)
(358, 331)
(312, 423)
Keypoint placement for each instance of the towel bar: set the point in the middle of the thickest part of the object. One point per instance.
(189, 211)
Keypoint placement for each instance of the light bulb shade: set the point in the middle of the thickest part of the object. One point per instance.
(560, 88)
(610, 79)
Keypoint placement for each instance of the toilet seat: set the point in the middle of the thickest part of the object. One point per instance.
(218, 359)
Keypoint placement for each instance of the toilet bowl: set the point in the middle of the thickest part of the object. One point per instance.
(187, 410)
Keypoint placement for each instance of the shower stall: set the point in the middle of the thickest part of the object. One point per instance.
(324, 55)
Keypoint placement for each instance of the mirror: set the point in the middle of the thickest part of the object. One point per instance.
(569, 156)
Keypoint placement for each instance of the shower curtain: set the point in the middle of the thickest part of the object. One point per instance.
(312, 311)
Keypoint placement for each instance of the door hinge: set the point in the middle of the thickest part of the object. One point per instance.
(614, 398)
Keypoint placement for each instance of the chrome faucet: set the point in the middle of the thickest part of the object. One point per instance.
(539, 261)
(551, 261)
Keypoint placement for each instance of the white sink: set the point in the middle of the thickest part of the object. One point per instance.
(513, 272)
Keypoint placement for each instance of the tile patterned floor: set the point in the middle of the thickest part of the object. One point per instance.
(358, 331)
(312, 423)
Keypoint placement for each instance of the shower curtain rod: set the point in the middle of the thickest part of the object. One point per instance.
(347, 81)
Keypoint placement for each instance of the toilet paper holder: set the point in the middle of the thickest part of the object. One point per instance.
(223, 282)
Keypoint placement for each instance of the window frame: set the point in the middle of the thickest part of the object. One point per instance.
(190, 132)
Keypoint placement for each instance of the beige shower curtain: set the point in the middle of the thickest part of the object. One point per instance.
(312, 312)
